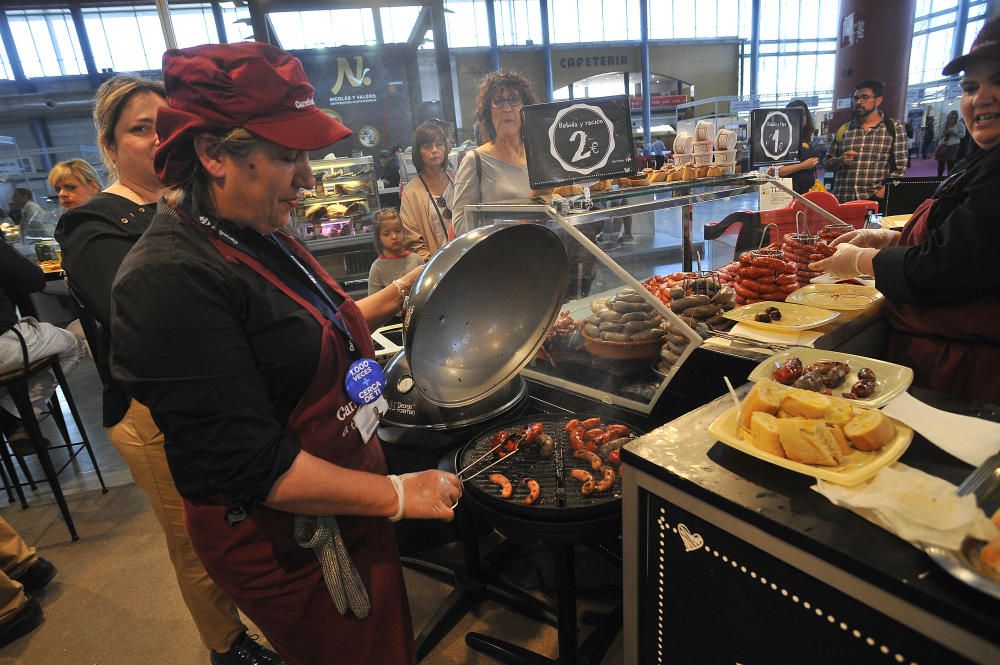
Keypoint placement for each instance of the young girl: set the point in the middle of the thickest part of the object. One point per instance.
(394, 260)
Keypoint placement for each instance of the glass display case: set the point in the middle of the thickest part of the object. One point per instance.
(342, 203)
(617, 340)
(335, 219)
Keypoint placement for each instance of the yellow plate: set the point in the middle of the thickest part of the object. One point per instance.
(843, 297)
(793, 317)
(891, 379)
(855, 469)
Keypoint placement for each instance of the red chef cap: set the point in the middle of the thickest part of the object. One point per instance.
(217, 87)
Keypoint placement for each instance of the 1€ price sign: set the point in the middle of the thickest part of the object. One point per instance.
(775, 135)
(581, 138)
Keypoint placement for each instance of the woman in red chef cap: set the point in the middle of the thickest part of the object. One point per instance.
(939, 275)
(259, 368)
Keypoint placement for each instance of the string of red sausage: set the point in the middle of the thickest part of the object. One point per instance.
(761, 278)
(803, 250)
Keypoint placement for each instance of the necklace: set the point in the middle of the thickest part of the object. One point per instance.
(143, 196)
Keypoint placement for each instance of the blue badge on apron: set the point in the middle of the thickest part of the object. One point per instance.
(364, 381)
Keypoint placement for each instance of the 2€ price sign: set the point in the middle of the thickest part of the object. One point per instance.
(577, 141)
(581, 138)
(775, 135)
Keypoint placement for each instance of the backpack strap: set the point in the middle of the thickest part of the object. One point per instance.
(843, 130)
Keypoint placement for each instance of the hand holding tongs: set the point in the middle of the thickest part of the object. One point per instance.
(485, 468)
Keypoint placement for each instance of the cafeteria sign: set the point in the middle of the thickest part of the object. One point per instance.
(577, 140)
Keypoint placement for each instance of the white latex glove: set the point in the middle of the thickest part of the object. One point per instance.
(844, 262)
(430, 494)
(875, 238)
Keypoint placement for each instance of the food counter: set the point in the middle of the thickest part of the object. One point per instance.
(728, 558)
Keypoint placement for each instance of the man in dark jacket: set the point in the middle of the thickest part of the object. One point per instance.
(19, 277)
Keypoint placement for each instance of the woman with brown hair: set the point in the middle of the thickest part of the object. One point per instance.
(260, 369)
(496, 170)
(425, 213)
(95, 237)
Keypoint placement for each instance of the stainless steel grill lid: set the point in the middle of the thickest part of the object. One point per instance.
(480, 310)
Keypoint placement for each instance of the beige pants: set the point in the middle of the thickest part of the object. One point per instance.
(15, 558)
(140, 443)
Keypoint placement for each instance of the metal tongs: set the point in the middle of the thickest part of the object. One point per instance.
(476, 461)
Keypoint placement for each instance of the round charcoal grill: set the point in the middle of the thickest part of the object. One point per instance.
(562, 518)
(560, 498)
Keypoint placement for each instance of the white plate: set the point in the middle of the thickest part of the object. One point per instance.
(793, 317)
(827, 278)
(855, 469)
(842, 297)
(892, 379)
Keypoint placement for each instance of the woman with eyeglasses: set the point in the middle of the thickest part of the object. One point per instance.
(424, 211)
(496, 170)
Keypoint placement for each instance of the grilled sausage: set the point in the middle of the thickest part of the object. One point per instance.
(605, 449)
(505, 487)
(581, 475)
(588, 456)
(546, 446)
(607, 481)
(534, 491)
(533, 432)
(590, 423)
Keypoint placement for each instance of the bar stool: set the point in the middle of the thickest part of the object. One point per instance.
(16, 383)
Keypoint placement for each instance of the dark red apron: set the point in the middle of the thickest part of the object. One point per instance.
(951, 348)
(278, 584)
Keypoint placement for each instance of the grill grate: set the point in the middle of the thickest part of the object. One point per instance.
(559, 492)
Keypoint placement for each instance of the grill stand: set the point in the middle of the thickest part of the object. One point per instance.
(592, 650)
(474, 581)
(560, 537)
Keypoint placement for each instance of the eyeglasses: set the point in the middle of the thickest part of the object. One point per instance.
(863, 98)
(514, 101)
(445, 212)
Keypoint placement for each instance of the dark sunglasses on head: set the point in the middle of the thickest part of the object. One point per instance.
(445, 212)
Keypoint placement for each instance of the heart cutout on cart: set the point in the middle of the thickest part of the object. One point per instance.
(692, 541)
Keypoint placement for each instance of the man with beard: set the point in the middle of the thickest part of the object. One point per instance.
(868, 150)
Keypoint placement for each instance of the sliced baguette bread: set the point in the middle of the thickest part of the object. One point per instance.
(870, 430)
(808, 441)
(804, 403)
(764, 433)
(764, 396)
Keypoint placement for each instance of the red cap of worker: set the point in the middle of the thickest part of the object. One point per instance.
(217, 87)
(985, 47)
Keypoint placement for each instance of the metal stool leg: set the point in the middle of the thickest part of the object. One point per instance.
(8, 466)
(6, 484)
(55, 410)
(19, 392)
(61, 378)
(27, 473)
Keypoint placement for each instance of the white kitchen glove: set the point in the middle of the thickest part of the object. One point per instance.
(874, 238)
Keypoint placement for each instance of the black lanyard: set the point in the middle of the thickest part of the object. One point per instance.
(227, 232)
(444, 227)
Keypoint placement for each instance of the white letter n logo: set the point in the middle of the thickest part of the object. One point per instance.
(357, 76)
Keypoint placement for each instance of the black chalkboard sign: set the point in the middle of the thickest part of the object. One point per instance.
(578, 140)
(775, 136)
